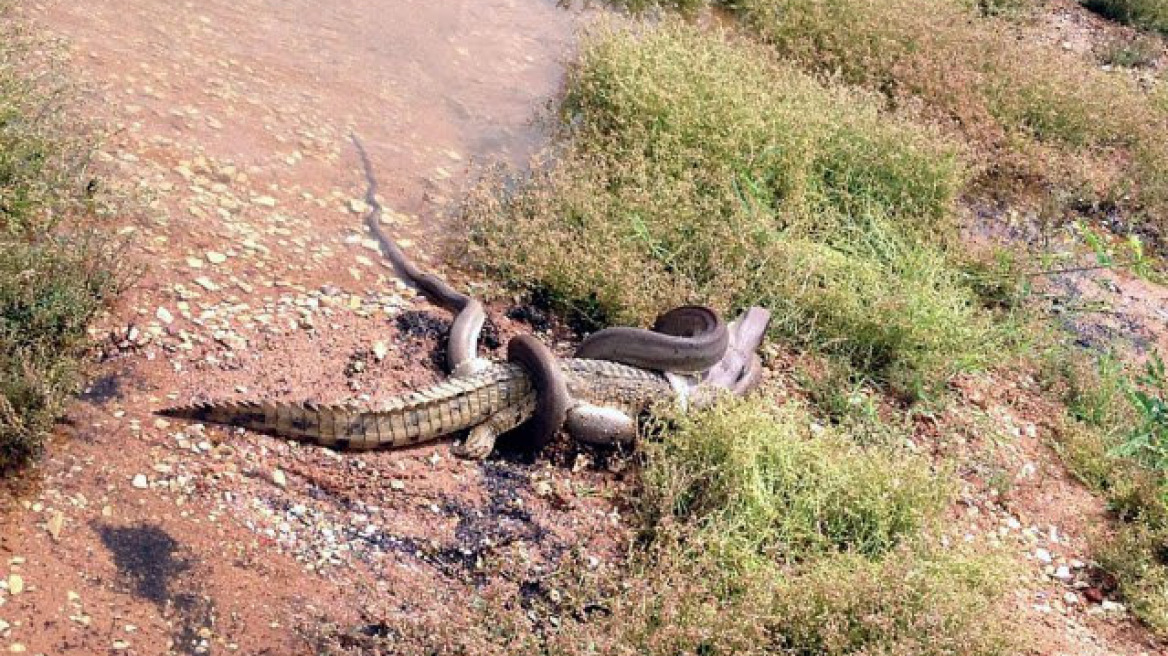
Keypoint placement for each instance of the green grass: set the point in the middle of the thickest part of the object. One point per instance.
(1040, 122)
(691, 169)
(1105, 444)
(767, 482)
(54, 266)
(760, 535)
(1148, 14)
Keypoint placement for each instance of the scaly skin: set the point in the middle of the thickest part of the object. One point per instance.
(497, 399)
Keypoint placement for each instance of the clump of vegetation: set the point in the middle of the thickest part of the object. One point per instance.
(776, 484)
(1039, 122)
(695, 170)
(761, 535)
(55, 273)
(1114, 442)
(1148, 14)
(1131, 52)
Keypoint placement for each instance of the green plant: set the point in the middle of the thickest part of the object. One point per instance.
(55, 266)
(1149, 14)
(769, 482)
(1131, 53)
(691, 169)
(1147, 444)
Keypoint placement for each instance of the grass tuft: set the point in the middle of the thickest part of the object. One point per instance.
(1148, 14)
(772, 482)
(696, 170)
(55, 274)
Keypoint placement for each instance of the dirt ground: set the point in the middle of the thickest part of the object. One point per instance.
(140, 536)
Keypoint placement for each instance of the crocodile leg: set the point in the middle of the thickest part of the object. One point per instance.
(480, 442)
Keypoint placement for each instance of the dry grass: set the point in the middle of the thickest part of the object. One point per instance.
(695, 170)
(54, 271)
(1148, 14)
(1042, 122)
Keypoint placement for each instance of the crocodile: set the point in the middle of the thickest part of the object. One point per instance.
(490, 402)
(687, 358)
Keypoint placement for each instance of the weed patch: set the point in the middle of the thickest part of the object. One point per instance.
(776, 484)
(1114, 443)
(695, 170)
(54, 273)
(1131, 52)
(1148, 14)
(1040, 123)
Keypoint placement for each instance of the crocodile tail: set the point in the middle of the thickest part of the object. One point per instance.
(335, 426)
(450, 406)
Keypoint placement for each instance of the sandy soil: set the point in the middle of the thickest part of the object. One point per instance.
(140, 536)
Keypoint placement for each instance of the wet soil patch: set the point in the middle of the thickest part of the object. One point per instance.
(540, 319)
(103, 390)
(418, 324)
(1090, 307)
(146, 556)
(148, 559)
(481, 529)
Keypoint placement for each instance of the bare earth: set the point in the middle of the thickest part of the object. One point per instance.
(139, 536)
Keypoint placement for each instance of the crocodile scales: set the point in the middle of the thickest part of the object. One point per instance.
(688, 357)
(499, 398)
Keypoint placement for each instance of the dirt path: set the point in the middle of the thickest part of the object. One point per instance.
(140, 536)
(144, 537)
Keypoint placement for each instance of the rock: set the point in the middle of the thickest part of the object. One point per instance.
(1093, 595)
(397, 484)
(1063, 573)
(1043, 556)
(15, 584)
(140, 481)
(206, 283)
(380, 350)
(279, 478)
(164, 315)
(216, 258)
(55, 524)
(264, 201)
(358, 206)
(1113, 607)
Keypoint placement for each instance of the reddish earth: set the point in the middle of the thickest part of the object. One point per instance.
(140, 536)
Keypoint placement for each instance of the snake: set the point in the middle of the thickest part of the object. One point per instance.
(685, 340)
